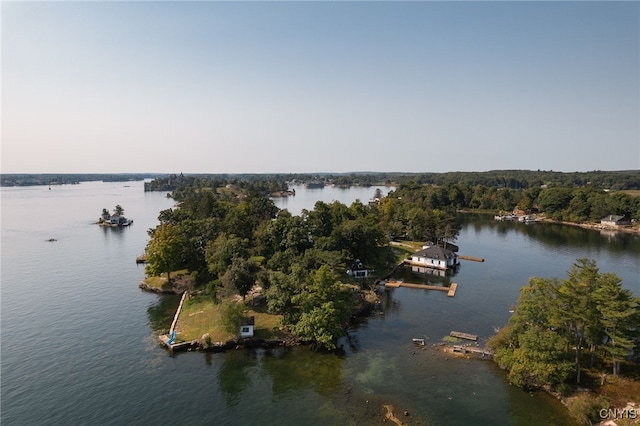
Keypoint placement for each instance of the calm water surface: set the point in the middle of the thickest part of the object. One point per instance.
(79, 338)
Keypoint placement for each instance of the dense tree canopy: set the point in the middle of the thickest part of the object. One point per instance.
(556, 322)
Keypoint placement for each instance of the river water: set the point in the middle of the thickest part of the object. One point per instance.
(79, 341)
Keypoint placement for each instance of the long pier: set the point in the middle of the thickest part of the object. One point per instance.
(165, 337)
(451, 290)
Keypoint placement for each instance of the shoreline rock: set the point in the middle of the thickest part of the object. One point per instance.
(146, 287)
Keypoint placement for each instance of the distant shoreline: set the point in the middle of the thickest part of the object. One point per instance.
(630, 229)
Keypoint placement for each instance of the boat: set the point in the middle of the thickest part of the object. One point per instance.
(418, 341)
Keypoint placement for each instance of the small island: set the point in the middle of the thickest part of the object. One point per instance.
(116, 218)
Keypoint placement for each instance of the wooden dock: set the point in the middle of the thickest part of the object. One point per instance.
(474, 350)
(475, 259)
(465, 336)
(451, 290)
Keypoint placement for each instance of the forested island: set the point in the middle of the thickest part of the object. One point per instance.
(242, 257)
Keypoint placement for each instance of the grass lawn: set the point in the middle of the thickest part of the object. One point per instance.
(404, 249)
(413, 246)
(200, 316)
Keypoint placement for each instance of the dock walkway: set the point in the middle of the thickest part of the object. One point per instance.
(470, 349)
(451, 290)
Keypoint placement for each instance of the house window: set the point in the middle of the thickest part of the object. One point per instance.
(245, 329)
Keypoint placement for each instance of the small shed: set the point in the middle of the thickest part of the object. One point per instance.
(357, 270)
(246, 327)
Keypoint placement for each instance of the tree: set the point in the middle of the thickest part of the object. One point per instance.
(281, 290)
(231, 312)
(324, 307)
(321, 325)
(620, 319)
(221, 252)
(119, 211)
(241, 275)
(578, 309)
(164, 250)
(530, 347)
(540, 359)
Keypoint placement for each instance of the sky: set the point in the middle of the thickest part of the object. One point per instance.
(305, 87)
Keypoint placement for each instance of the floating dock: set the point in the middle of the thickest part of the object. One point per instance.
(451, 290)
(466, 336)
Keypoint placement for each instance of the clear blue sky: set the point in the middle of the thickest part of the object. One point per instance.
(224, 87)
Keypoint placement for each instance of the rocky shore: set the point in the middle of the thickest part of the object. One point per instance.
(248, 343)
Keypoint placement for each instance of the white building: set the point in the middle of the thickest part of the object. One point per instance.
(432, 256)
(246, 327)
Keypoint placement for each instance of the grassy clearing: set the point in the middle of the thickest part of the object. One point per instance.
(404, 249)
(200, 316)
(411, 245)
(631, 192)
(619, 391)
(162, 283)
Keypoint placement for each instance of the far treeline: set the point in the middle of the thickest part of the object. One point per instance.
(31, 179)
(512, 179)
(572, 197)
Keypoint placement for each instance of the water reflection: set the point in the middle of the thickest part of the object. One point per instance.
(428, 276)
(556, 235)
(233, 375)
(161, 314)
(293, 370)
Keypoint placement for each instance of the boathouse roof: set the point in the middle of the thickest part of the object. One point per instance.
(435, 252)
